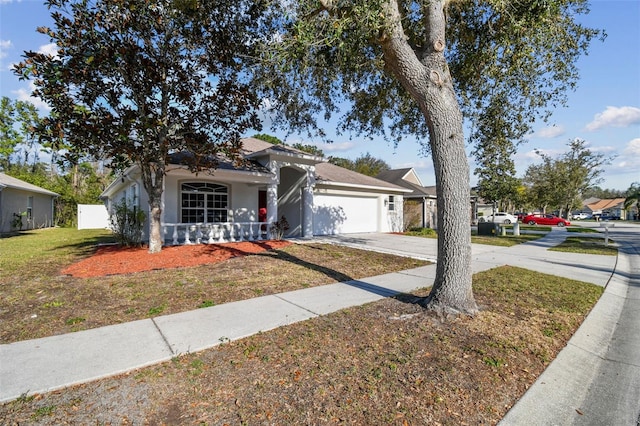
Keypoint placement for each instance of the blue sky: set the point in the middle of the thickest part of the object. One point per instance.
(604, 110)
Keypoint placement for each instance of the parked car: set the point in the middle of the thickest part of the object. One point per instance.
(606, 216)
(545, 219)
(581, 216)
(520, 215)
(499, 217)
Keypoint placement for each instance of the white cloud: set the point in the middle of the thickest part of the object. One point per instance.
(25, 95)
(602, 149)
(550, 132)
(615, 117)
(4, 46)
(633, 148)
(535, 154)
(337, 147)
(49, 49)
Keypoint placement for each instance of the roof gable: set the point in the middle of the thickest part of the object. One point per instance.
(255, 148)
(407, 178)
(330, 173)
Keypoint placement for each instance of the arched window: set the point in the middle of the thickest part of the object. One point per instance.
(203, 202)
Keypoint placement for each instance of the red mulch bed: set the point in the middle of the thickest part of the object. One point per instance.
(114, 260)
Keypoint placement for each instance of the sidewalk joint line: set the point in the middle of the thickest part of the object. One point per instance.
(163, 336)
(296, 305)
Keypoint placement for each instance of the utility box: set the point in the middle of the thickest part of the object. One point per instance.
(487, 228)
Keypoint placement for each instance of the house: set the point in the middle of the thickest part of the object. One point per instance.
(24, 206)
(234, 202)
(612, 206)
(420, 204)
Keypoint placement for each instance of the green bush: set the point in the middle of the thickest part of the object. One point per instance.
(423, 231)
(127, 224)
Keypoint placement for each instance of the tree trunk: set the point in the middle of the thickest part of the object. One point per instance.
(155, 225)
(428, 81)
(153, 181)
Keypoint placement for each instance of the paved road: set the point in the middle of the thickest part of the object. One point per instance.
(595, 380)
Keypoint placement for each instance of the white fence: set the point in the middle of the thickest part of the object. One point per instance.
(92, 216)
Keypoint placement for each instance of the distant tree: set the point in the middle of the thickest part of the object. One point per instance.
(136, 80)
(559, 183)
(268, 138)
(495, 138)
(18, 121)
(365, 164)
(81, 184)
(369, 165)
(597, 192)
(342, 162)
(632, 201)
(309, 149)
(496, 180)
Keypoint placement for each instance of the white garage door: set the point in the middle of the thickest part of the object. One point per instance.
(336, 214)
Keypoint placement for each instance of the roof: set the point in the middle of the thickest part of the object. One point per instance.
(330, 173)
(606, 204)
(397, 177)
(325, 172)
(7, 181)
(222, 163)
(252, 147)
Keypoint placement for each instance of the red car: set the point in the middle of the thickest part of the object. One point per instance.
(545, 219)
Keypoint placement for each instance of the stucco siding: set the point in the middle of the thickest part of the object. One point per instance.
(17, 201)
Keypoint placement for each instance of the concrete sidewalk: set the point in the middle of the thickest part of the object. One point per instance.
(42, 365)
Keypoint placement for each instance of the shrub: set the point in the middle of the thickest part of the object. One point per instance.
(278, 228)
(127, 224)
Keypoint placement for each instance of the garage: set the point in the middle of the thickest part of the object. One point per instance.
(339, 214)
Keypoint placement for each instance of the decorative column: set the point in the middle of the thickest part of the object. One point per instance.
(272, 205)
(307, 210)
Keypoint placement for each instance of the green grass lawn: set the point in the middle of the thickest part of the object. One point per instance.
(51, 244)
(587, 245)
(578, 229)
(504, 241)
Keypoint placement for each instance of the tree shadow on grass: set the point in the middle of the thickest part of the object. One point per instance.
(286, 257)
(345, 279)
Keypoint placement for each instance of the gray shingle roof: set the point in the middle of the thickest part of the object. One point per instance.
(326, 172)
(7, 181)
(396, 176)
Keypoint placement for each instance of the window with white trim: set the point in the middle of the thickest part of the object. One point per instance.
(29, 208)
(203, 202)
(392, 203)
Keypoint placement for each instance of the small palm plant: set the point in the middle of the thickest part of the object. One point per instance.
(633, 199)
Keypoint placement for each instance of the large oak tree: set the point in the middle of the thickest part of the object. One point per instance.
(134, 81)
(417, 68)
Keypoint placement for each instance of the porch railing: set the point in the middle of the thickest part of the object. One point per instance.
(211, 233)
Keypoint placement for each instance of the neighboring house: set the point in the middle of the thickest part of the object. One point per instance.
(420, 204)
(23, 205)
(242, 202)
(612, 206)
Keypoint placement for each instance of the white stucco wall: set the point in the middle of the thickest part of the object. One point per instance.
(244, 202)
